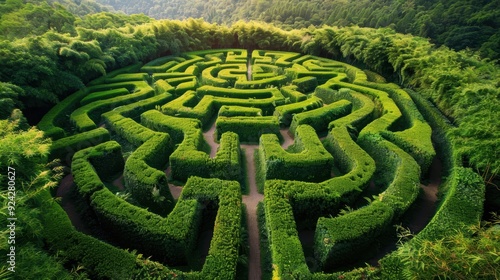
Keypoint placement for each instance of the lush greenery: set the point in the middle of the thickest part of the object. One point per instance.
(457, 24)
(49, 50)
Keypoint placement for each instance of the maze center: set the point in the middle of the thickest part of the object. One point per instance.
(161, 154)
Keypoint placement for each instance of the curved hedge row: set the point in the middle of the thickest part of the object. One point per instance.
(320, 118)
(249, 129)
(377, 142)
(306, 160)
(191, 157)
(169, 239)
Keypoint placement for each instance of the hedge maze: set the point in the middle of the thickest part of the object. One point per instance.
(359, 152)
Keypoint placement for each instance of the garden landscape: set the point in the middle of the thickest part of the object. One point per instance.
(191, 142)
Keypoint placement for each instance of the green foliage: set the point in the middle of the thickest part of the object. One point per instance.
(286, 112)
(305, 160)
(249, 129)
(25, 149)
(64, 148)
(320, 118)
(190, 158)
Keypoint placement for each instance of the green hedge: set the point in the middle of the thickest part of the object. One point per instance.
(237, 93)
(249, 129)
(161, 64)
(65, 148)
(414, 136)
(191, 156)
(99, 259)
(233, 111)
(169, 239)
(275, 81)
(363, 110)
(52, 121)
(223, 254)
(293, 94)
(144, 176)
(86, 117)
(92, 165)
(236, 56)
(306, 84)
(320, 118)
(462, 194)
(305, 160)
(100, 95)
(209, 77)
(162, 86)
(279, 58)
(189, 105)
(341, 240)
(286, 112)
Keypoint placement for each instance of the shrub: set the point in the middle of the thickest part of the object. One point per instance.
(286, 112)
(249, 129)
(305, 160)
(306, 84)
(65, 148)
(292, 94)
(321, 117)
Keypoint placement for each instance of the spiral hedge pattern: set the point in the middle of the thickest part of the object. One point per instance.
(352, 136)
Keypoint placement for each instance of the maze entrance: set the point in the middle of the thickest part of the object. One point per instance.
(333, 156)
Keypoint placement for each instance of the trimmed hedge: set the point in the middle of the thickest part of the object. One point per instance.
(340, 240)
(286, 112)
(65, 148)
(321, 117)
(292, 94)
(52, 121)
(100, 95)
(189, 105)
(305, 160)
(100, 260)
(306, 84)
(161, 64)
(233, 111)
(279, 58)
(223, 254)
(85, 117)
(415, 135)
(169, 239)
(144, 176)
(275, 81)
(236, 56)
(363, 110)
(249, 129)
(191, 156)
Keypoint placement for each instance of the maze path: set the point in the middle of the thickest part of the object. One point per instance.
(162, 114)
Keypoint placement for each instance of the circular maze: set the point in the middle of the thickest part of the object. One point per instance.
(335, 158)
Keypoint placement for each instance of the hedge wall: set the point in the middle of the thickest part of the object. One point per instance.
(249, 129)
(234, 111)
(65, 148)
(86, 117)
(191, 156)
(293, 94)
(320, 118)
(286, 112)
(305, 160)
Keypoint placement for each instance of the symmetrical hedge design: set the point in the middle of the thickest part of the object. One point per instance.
(352, 138)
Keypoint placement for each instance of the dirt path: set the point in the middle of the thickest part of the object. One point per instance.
(422, 210)
(209, 137)
(64, 192)
(426, 202)
(251, 200)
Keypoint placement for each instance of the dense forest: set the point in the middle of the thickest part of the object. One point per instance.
(443, 50)
(456, 24)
